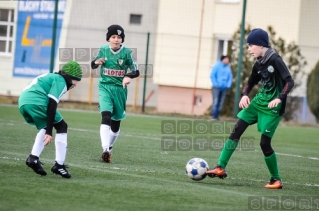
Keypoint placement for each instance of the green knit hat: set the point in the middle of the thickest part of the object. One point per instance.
(73, 69)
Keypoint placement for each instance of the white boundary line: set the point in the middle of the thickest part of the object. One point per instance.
(154, 137)
(148, 136)
(116, 169)
(158, 138)
(130, 173)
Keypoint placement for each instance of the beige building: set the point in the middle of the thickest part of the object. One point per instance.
(191, 39)
(187, 38)
(83, 31)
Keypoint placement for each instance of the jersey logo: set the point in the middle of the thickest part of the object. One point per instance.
(119, 32)
(115, 73)
(105, 58)
(271, 69)
(120, 61)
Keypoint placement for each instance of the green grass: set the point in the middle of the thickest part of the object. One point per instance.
(142, 176)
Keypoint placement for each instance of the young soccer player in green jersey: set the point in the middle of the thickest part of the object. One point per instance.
(38, 105)
(115, 60)
(265, 109)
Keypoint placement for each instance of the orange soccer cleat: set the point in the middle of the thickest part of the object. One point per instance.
(218, 171)
(274, 184)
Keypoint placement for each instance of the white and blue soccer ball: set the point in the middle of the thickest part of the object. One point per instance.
(196, 169)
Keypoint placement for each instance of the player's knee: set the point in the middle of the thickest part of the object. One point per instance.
(265, 145)
(238, 130)
(115, 126)
(61, 127)
(106, 118)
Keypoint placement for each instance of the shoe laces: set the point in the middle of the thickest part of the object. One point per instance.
(62, 166)
(38, 162)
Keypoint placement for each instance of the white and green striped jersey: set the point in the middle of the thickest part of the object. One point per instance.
(42, 88)
(117, 63)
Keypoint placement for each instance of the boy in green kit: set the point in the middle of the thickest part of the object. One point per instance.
(38, 105)
(115, 60)
(265, 109)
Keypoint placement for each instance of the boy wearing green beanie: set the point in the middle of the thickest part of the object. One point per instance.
(38, 105)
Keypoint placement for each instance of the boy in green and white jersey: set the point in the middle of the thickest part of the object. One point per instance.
(38, 105)
(115, 60)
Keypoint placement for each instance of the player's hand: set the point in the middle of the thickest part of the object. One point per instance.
(126, 81)
(274, 103)
(47, 139)
(100, 61)
(244, 102)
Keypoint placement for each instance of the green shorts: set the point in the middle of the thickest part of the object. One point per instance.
(266, 124)
(113, 98)
(37, 115)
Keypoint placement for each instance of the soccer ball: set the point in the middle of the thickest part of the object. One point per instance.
(196, 169)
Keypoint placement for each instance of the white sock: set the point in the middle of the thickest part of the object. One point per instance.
(105, 137)
(60, 147)
(38, 145)
(113, 137)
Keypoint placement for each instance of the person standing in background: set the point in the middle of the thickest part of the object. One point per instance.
(221, 77)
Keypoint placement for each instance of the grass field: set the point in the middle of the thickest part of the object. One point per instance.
(143, 176)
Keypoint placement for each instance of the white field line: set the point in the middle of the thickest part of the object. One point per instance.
(153, 137)
(147, 136)
(127, 114)
(130, 173)
(115, 169)
(144, 136)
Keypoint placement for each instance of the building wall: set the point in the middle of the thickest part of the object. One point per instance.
(176, 48)
(12, 86)
(181, 57)
(177, 44)
(308, 37)
(88, 27)
(178, 57)
(7, 81)
(85, 26)
(180, 103)
(283, 16)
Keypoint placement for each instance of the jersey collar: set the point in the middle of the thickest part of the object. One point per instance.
(118, 51)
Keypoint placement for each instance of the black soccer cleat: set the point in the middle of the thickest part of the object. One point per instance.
(36, 165)
(106, 156)
(60, 170)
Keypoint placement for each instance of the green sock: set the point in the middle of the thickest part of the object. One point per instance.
(271, 162)
(227, 152)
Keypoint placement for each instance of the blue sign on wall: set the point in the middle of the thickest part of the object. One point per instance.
(34, 36)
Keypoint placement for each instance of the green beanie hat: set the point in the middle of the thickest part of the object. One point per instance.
(73, 69)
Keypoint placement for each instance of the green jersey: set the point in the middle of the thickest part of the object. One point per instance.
(42, 88)
(116, 64)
